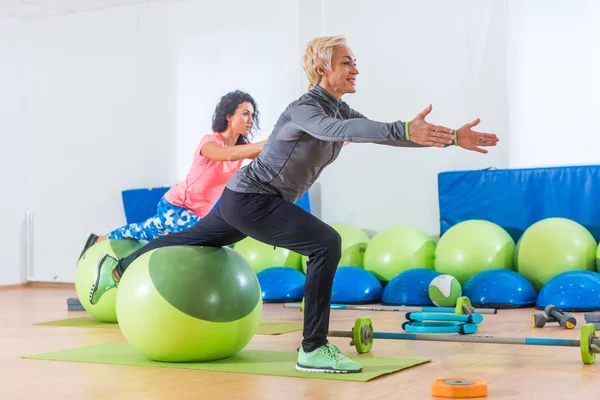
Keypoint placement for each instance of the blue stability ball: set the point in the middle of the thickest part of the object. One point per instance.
(354, 285)
(500, 288)
(572, 291)
(410, 288)
(281, 284)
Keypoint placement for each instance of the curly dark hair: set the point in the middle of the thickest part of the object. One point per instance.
(227, 106)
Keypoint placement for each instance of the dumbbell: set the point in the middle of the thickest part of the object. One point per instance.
(553, 314)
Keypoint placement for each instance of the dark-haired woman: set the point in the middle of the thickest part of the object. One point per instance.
(217, 157)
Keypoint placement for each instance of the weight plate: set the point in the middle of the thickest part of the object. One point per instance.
(459, 388)
(588, 331)
(463, 306)
(592, 317)
(362, 335)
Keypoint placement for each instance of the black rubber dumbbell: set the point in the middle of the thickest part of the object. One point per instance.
(553, 314)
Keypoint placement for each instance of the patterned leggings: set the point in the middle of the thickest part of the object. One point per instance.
(168, 219)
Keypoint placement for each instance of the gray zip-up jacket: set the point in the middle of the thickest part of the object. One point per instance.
(309, 136)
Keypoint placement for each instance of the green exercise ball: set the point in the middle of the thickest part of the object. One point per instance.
(553, 246)
(397, 249)
(473, 246)
(189, 303)
(516, 255)
(262, 256)
(354, 245)
(105, 310)
(598, 258)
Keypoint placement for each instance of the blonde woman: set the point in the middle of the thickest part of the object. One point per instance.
(259, 199)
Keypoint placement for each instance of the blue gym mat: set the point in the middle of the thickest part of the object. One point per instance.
(517, 198)
(140, 204)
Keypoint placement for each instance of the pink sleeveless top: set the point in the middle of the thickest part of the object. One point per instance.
(205, 181)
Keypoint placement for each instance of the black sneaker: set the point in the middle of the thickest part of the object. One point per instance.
(91, 240)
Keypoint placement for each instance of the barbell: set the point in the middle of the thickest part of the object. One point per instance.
(362, 336)
(463, 306)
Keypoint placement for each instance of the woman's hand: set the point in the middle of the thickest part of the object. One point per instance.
(258, 146)
(473, 140)
(215, 152)
(426, 134)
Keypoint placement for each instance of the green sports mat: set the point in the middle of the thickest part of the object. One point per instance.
(265, 328)
(82, 322)
(256, 362)
(277, 328)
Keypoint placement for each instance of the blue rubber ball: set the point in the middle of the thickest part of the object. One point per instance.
(500, 288)
(355, 285)
(281, 284)
(574, 291)
(410, 288)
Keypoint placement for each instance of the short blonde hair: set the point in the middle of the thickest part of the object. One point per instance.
(318, 55)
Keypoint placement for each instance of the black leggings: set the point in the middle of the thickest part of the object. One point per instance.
(275, 221)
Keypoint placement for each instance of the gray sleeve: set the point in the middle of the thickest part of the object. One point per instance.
(313, 120)
(356, 114)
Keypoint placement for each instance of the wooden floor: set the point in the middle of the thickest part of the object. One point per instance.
(512, 372)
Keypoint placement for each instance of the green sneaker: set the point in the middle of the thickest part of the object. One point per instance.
(327, 358)
(105, 279)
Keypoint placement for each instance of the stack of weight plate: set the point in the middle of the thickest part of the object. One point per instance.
(593, 318)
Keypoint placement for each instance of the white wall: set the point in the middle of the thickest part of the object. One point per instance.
(411, 54)
(14, 159)
(553, 82)
(100, 122)
(119, 98)
(122, 96)
(109, 100)
(228, 45)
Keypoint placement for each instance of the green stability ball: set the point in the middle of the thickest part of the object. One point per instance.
(473, 246)
(397, 249)
(105, 310)
(553, 246)
(189, 303)
(354, 245)
(262, 256)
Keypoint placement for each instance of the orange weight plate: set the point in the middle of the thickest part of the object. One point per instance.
(459, 388)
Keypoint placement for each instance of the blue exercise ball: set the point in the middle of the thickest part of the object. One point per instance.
(281, 284)
(410, 288)
(355, 285)
(500, 288)
(574, 291)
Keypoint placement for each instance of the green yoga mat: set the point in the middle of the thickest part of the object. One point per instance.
(257, 362)
(265, 328)
(82, 322)
(277, 328)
